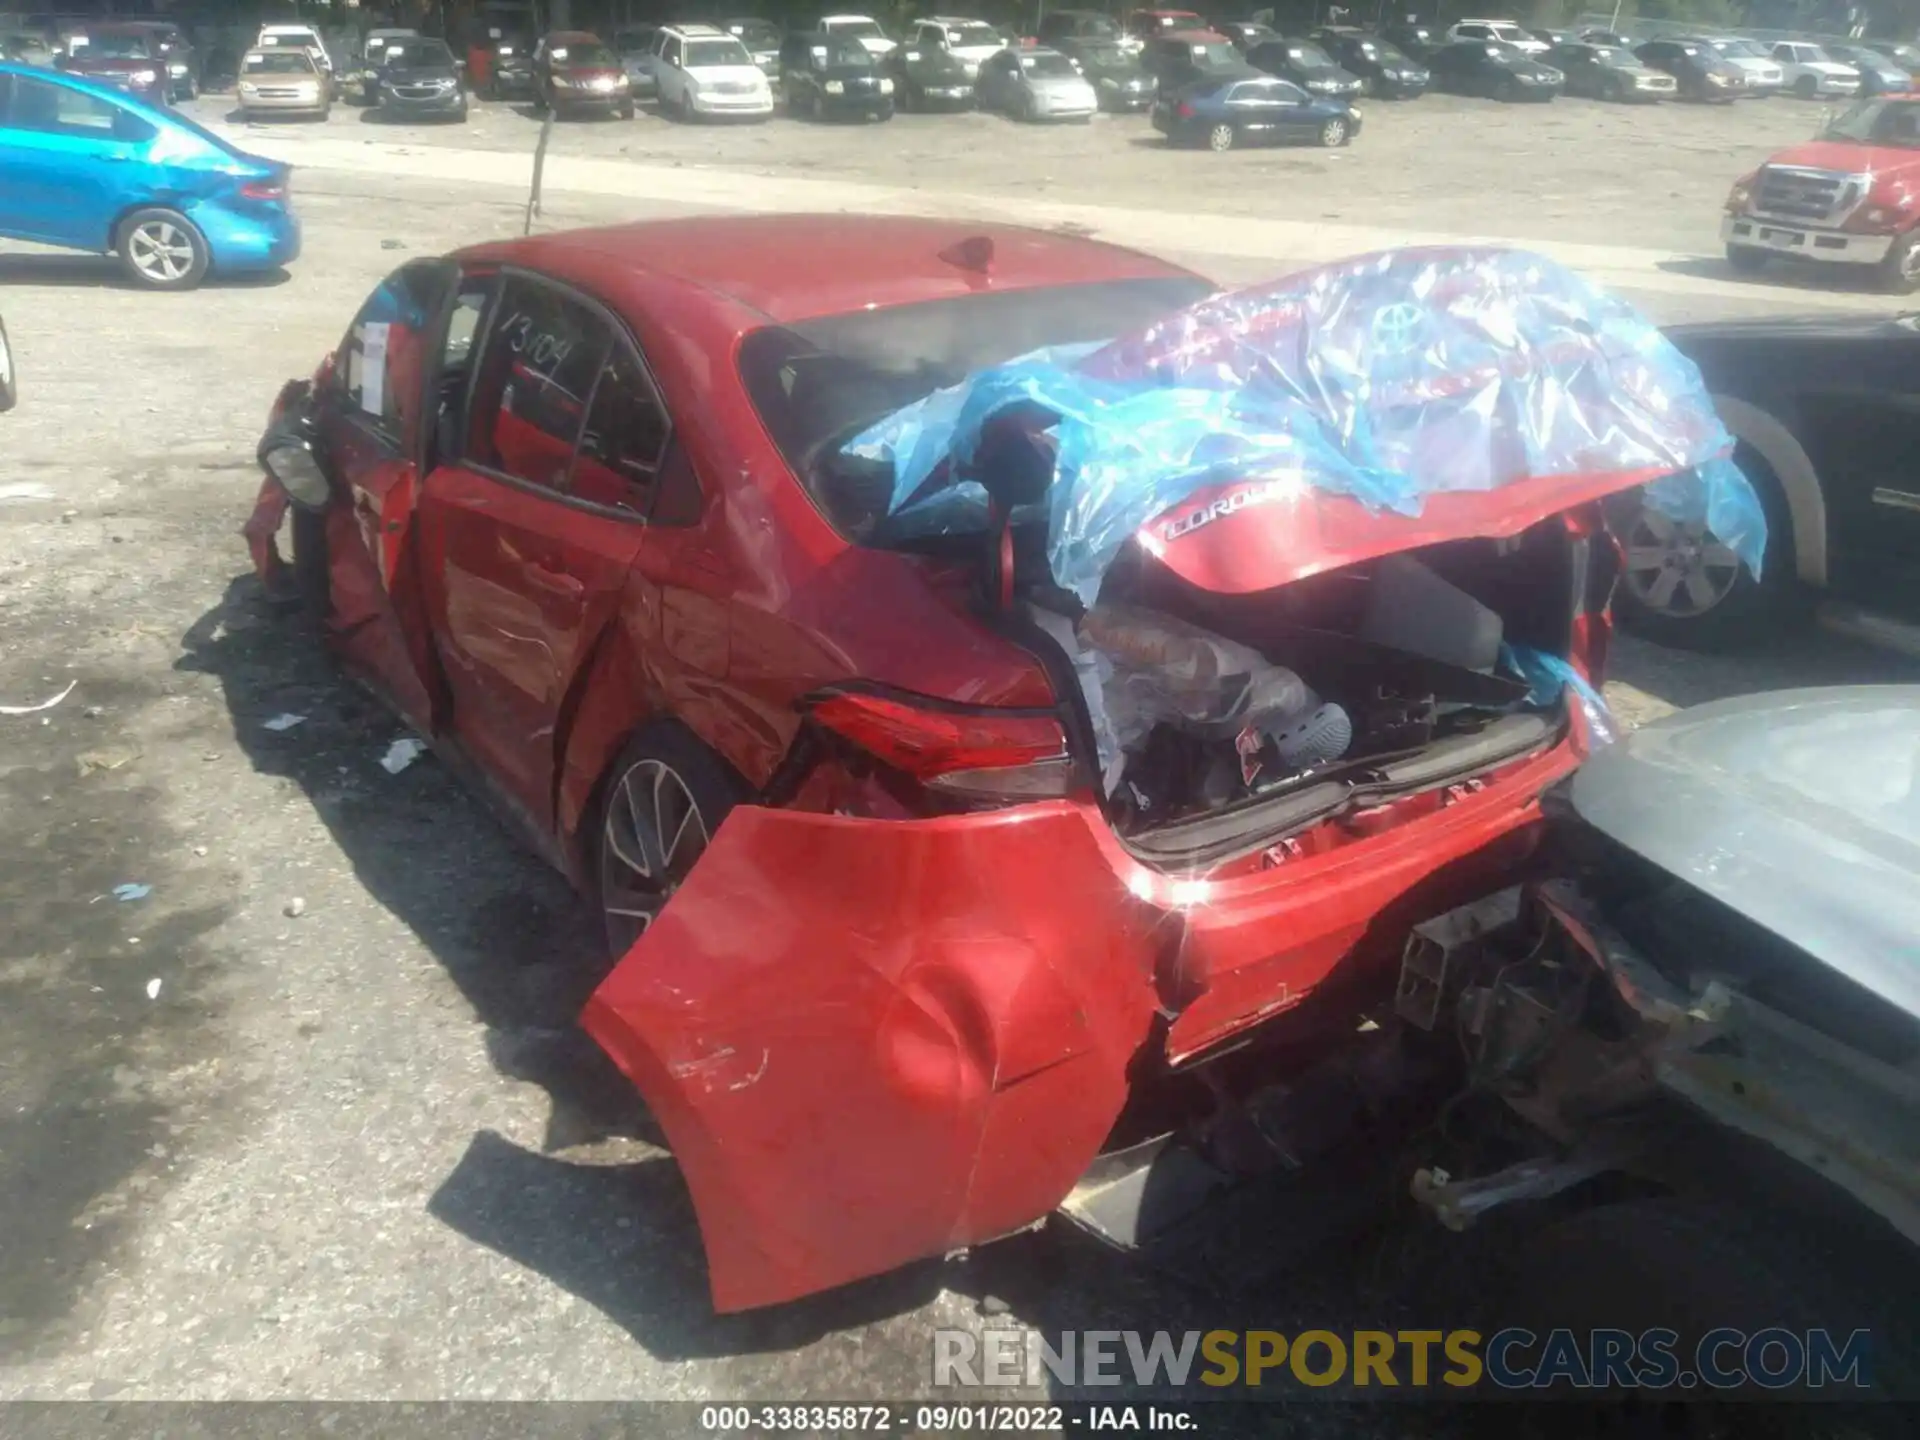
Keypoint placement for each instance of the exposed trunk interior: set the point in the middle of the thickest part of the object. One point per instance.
(1234, 721)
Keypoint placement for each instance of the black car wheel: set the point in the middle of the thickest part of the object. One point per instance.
(662, 803)
(1899, 273)
(1509, 89)
(1334, 133)
(1221, 137)
(162, 250)
(1747, 259)
(1806, 87)
(626, 110)
(1681, 587)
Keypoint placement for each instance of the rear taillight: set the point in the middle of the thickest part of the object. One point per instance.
(978, 752)
(1184, 110)
(264, 190)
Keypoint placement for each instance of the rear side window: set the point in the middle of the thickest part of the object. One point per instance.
(52, 109)
(626, 435)
(381, 361)
(536, 379)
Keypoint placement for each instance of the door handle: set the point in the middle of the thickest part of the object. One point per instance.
(554, 582)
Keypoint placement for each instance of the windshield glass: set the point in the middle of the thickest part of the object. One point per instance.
(1502, 53)
(297, 37)
(1097, 25)
(412, 54)
(113, 47)
(858, 29)
(1105, 55)
(594, 53)
(1812, 55)
(819, 383)
(1743, 49)
(717, 52)
(756, 33)
(846, 52)
(1880, 122)
(973, 33)
(1308, 55)
(1214, 55)
(1047, 66)
(1380, 50)
(1508, 33)
(278, 62)
(1866, 57)
(1611, 55)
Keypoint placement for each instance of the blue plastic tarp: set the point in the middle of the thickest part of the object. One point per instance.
(1387, 378)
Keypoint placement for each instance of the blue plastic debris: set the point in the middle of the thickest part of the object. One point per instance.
(125, 893)
(1548, 675)
(1388, 378)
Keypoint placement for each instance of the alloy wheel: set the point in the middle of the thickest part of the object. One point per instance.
(1333, 133)
(1220, 137)
(652, 835)
(1676, 567)
(161, 251)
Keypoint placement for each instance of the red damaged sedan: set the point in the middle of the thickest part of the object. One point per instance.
(893, 941)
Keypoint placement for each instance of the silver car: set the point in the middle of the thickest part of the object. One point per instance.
(1035, 84)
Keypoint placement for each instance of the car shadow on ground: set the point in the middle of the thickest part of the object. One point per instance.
(1785, 276)
(104, 272)
(600, 1209)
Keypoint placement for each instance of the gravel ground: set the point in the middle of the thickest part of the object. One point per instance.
(309, 1118)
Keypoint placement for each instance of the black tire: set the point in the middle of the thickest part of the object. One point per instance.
(1509, 90)
(626, 110)
(1807, 88)
(1691, 1266)
(1749, 611)
(707, 781)
(1747, 259)
(1334, 133)
(1899, 273)
(145, 234)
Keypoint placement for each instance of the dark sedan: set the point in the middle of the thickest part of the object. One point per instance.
(1252, 109)
(1114, 71)
(1698, 73)
(1494, 69)
(1419, 41)
(171, 46)
(1383, 69)
(123, 56)
(1880, 74)
(928, 79)
(1245, 34)
(419, 81)
(826, 77)
(1606, 72)
(1306, 65)
(1189, 56)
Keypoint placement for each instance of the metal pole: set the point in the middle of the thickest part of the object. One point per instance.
(539, 166)
(1614, 24)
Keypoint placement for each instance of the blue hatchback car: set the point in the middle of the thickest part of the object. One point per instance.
(90, 168)
(1247, 108)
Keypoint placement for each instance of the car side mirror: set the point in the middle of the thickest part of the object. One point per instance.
(8, 395)
(290, 460)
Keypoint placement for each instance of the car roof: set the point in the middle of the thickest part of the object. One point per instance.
(829, 19)
(698, 30)
(1189, 36)
(792, 268)
(288, 29)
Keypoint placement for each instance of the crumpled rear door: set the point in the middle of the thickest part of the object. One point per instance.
(872, 1041)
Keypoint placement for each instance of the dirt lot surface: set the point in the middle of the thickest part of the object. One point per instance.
(307, 1117)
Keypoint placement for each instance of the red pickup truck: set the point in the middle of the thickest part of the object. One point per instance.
(1852, 197)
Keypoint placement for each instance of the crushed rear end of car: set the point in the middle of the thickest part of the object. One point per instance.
(1316, 580)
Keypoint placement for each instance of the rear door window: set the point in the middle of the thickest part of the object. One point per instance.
(543, 352)
(625, 437)
(54, 109)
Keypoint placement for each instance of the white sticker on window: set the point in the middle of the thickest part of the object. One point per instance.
(373, 367)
